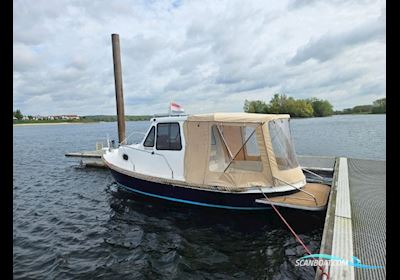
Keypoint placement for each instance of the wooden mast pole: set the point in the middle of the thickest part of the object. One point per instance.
(119, 93)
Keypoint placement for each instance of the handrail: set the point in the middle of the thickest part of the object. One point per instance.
(153, 153)
(306, 192)
(126, 138)
(312, 173)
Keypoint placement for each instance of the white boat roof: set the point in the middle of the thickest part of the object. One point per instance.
(161, 119)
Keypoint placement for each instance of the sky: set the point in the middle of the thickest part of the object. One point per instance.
(208, 56)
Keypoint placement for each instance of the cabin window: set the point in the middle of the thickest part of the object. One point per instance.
(234, 147)
(168, 136)
(282, 144)
(149, 142)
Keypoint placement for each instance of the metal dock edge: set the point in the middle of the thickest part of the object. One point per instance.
(342, 230)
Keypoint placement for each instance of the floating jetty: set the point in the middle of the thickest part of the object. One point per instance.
(355, 222)
(89, 158)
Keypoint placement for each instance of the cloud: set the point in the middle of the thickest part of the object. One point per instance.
(330, 45)
(296, 4)
(207, 55)
(24, 58)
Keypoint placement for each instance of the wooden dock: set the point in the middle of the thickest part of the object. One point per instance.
(89, 158)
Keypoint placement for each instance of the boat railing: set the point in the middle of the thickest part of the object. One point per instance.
(130, 135)
(314, 174)
(169, 115)
(153, 153)
(306, 192)
(100, 144)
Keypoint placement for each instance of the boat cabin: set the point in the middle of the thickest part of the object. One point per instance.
(223, 151)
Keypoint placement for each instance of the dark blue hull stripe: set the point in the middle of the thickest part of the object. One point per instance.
(194, 202)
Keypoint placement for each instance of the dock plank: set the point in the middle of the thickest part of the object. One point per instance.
(342, 231)
(86, 154)
(343, 208)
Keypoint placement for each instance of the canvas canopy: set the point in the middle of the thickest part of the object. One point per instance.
(237, 151)
(236, 117)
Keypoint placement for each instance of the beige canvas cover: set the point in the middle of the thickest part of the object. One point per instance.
(246, 170)
(236, 117)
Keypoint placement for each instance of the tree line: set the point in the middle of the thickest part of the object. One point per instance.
(310, 107)
(17, 114)
(95, 118)
(377, 107)
(297, 108)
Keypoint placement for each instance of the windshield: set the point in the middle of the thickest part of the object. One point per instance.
(282, 144)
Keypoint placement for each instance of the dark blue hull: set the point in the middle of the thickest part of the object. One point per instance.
(206, 198)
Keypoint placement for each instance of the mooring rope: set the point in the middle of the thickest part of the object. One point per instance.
(295, 234)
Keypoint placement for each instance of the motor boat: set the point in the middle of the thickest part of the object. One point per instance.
(237, 161)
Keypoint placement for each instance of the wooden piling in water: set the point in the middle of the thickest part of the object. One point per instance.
(119, 93)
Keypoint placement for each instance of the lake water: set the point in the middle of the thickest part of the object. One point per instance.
(355, 136)
(70, 223)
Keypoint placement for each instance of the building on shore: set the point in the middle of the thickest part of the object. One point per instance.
(65, 117)
(71, 117)
(55, 117)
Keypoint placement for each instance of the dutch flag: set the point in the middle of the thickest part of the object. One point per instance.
(175, 108)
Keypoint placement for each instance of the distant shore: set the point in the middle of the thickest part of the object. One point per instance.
(55, 123)
(34, 123)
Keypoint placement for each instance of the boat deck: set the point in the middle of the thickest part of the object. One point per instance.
(302, 200)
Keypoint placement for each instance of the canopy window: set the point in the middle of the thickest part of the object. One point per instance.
(282, 144)
(234, 148)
